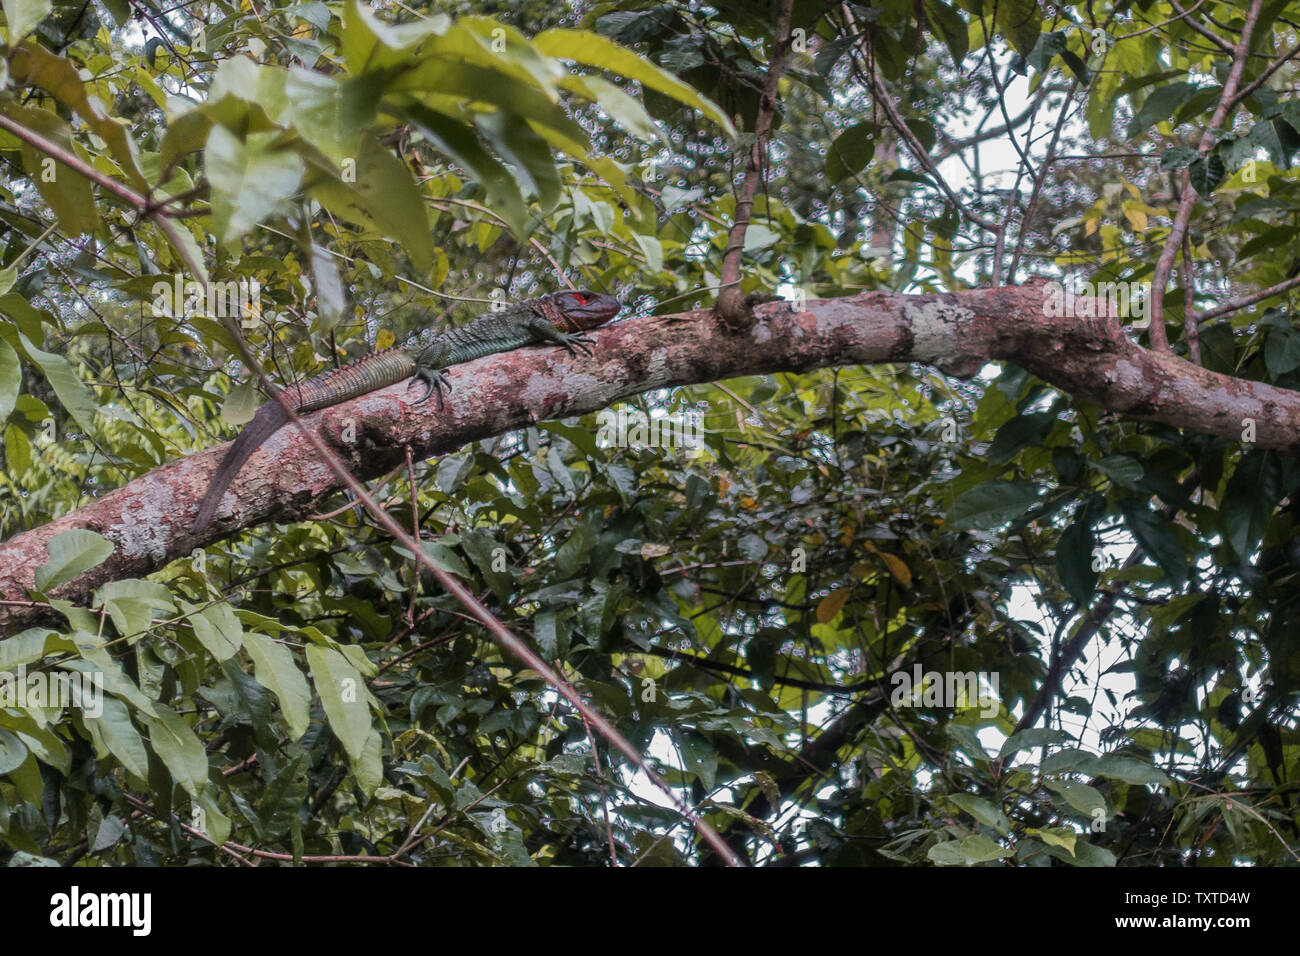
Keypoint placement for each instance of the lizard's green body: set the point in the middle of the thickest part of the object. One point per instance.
(559, 318)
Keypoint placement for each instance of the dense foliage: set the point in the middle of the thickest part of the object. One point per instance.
(740, 611)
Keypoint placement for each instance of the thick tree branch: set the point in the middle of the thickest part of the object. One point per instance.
(148, 519)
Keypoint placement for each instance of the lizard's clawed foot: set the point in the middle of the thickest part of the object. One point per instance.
(572, 342)
(434, 381)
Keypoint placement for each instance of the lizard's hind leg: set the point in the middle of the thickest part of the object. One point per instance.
(429, 365)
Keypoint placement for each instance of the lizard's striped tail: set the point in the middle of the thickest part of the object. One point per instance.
(263, 425)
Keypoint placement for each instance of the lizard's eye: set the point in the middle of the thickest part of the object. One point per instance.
(582, 298)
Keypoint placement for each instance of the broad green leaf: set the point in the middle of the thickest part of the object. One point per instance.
(1063, 837)
(274, 669)
(214, 823)
(851, 151)
(177, 746)
(251, 180)
(67, 192)
(71, 390)
(1130, 770)
(986, 506)
(22, 16)
(592, 49)
(461, 145)
(1074, 562)
(1160, 105)
(1122, 469)
(119, 737)
(31, 645)
(1020, 22)
(331, 302)
(976, 848)
(1087, 800)
(131, 604)
(71, 552)
(343, 696)
(1156, 538)
(947, 24)
(371, 45)
(11, 379)
(986, 812)
(12, 752)
(381, 195)
(218, 630)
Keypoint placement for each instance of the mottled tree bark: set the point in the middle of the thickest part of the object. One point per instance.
(148, 519)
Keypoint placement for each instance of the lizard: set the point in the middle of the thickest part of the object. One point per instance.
(559, 318)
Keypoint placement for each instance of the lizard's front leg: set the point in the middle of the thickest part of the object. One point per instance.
(547, 332)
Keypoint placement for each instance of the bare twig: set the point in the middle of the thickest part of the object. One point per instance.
(1182, 218)
(731, 300)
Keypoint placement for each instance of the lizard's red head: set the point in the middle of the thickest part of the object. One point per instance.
(582, 309)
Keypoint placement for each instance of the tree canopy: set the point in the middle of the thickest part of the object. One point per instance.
(934, 503)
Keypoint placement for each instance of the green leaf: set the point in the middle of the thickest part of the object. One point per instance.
(1020, 22)
(583, 46)
(383, 197)
(1156, 538)
(12, 752)
(11, 379)
(976, 848)
(985, 811)
(851, 151)
(993, 503)
(699, 756)
(460, 144)
(274, 669)
(218, 629)
(68, 193)
(71, 553)
(1080, 796)
(1282, 351)
(130, 603)
(1206, 173)
(1122, 469)
(1248, 502)
(1160, 105)
(948, 25)
(23, 15)
(1074, 562)
(177, 746)
(71, 390)
(1020, 432)
(344, 697)
(330, 300)
(251, 180)
(241, 403)
(1063, 837)
(1130, 770)
(119, 737)
(371, 45)
(529, 154)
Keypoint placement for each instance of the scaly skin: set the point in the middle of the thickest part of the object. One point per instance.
(560, 318)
